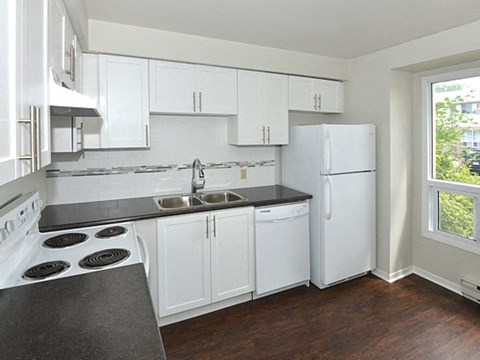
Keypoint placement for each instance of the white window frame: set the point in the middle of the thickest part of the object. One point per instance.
(430, 186)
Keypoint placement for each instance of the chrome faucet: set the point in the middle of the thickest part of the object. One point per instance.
(200, 182)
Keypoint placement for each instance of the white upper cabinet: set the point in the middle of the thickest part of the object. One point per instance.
(120, 86)
(8, 123)
(172, 87)
(123, 95)
(177, 88)
(63, 45)
(217, 90)
(315, 95)
(24, 110)
(262, 110)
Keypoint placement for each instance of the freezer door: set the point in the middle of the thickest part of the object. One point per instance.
(348, 236)
(348, 148)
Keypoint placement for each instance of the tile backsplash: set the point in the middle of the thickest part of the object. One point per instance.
(165, 168)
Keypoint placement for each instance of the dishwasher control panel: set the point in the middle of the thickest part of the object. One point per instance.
(283, 211)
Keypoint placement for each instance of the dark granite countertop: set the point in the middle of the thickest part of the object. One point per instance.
(69, 216)
(107, 314)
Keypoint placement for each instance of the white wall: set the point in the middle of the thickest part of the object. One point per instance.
(113, 38)
(379, 92)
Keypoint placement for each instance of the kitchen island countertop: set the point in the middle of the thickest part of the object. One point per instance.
(106, 314)
(70, 216)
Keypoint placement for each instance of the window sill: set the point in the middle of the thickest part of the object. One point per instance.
(452, 240)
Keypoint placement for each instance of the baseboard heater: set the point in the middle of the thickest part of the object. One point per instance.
(471, 290)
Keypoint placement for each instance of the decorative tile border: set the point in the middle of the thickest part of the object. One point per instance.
(154, 168)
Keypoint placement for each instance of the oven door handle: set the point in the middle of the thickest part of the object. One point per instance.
(146, 256)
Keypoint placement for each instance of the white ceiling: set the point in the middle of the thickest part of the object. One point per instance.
(338, 28)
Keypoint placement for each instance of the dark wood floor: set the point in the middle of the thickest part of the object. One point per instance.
(366, 318)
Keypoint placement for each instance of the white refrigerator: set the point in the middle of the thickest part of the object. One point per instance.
(336, 165)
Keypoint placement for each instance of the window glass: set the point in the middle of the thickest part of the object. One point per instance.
(455, 214)
(456, 130)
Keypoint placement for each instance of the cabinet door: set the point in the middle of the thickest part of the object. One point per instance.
(300, 94)
(262, 110)
(57, 15)
(8, 122)
(124, 101)
(276, 109)
(249, 127)
(232, 238)
(183, 263)
(172, 87)
(216, 90)
(32, 86)
(69, 55)
(330, 95)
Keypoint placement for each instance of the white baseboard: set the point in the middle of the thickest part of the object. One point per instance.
(397, 275)
(456, 288)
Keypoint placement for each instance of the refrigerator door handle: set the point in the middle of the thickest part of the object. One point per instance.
(328, 141)
(328, 214)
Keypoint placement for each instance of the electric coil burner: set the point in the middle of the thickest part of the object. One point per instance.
(65, 240)
(104, 258)
(111, 231)
(27, 255)
(46, 270)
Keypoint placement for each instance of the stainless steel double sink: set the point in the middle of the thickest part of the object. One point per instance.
(170, 202)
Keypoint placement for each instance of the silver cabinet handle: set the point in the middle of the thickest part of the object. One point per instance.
(73, 73)
(263, 134)
(206, 231)
(319, 101)
(33, 146)
(214, 226)
(71, 54)
(268, 132)
(147, 135)
(38, 138)
(194, 107)
(81, 141)
(315, 97)
(200, 101)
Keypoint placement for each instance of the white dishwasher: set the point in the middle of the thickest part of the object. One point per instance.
(282, 256)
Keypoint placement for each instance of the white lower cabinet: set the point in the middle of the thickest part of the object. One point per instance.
(204, 258)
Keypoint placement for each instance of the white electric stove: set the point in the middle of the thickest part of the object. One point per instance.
(28, 256)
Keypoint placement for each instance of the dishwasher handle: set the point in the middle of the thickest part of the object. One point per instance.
(286, 219)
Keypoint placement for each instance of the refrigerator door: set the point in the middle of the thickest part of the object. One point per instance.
(348, 148)
(348, 236)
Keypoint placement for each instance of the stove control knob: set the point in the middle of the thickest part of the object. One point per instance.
(3, 235)
(10, 226)
(37, 204)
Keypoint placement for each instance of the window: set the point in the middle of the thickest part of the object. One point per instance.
(452, 189)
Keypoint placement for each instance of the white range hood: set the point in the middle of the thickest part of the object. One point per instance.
(66, 102)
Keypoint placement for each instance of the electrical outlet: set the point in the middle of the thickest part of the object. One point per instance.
(243, 173)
